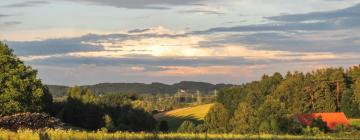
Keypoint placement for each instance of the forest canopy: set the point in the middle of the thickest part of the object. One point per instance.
(270, 104)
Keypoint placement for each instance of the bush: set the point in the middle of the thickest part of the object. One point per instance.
(265, 126)
(186, 127)
(340, 128)
(319, 123)
(312, 131)
(163, 126)
(200, 128)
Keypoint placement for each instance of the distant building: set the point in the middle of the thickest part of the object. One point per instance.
(332, 119)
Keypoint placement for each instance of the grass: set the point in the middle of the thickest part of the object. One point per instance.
(175, 117)
(84, 135)
(354, 122)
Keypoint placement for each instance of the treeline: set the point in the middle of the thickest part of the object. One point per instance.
(141, 88)
(269, 105)
(112, 111)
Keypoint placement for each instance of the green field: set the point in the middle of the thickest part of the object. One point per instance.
(177, 116)
(354, 122)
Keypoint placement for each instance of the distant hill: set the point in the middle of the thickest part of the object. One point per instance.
(175, 117)
(141, 88)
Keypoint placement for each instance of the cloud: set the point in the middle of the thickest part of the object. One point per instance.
(9, 23)
(141, 4)
(347, 18)
(2, 15)
(160, 46)
(206, 12)
(334, 31)
(27, 4)
(352, 12)
(53, 46)
(343, 41)
(152, 52)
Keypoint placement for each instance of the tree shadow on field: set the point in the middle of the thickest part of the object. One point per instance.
(174, 122)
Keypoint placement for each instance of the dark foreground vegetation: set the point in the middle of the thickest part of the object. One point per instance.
(262, 107)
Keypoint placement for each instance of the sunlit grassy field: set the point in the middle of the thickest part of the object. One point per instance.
(355, 122)
(83, 135)
(177, 116)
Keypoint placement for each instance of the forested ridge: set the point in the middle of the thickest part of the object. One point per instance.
(141, 88)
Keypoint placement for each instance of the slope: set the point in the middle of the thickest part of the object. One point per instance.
(175, 117)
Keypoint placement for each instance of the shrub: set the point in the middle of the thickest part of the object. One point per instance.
(186, 127)
(163, 126)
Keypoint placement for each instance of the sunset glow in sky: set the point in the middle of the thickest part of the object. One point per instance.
(77, 42)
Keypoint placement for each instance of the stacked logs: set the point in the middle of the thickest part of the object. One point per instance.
(33, 121)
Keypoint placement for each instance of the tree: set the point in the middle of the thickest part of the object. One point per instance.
(20, 90)
(217, 119)
(291, 92)
(163, 126)
(356, 87)
(244, 120)
(186, 127)
(324, 98)
(348, 106)
(273, 116)
(108, 123)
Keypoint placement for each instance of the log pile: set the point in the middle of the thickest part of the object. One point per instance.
(33, 121)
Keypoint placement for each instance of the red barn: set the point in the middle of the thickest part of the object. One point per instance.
(331, 119)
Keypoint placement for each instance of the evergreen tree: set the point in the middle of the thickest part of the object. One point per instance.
(20, 90)
(348, 105)
(356, 88)
(325, 100)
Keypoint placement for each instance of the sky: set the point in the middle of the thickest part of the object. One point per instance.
(82, 42)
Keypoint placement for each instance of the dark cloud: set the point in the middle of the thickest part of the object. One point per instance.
(138, 30)
(76, 44)
(147, 60)
(294, 33)
(352, 12)
(318, 26)
(347, 18)
(141, 4)
(2, 15)
(292, 42)
(7, 24)
(52, 46)
(27, 4)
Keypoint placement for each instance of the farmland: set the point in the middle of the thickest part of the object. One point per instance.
(176, 117)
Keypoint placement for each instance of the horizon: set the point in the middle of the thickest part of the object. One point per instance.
(87, 42)
(149, 83)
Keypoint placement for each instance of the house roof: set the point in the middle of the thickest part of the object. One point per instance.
(331, 119)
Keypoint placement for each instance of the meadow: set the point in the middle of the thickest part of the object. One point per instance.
(83, 135)
(355, 122)
(175, 117)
